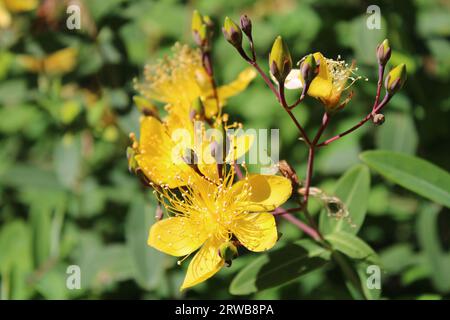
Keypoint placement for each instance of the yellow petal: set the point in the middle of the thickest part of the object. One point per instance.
(211, 108)
(322, 85)
(226, 91)
(61, 61)
(256, 231)
(238, 85)
(210, 171)
(5, 17)
(267, 191)
(31, 63)
(20, 5)
(177, 236)
(204, 264)
(239, 146)
(159, 158)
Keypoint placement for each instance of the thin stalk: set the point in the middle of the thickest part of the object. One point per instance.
(379, 85)
(359, 124)
(298, 223)
(294, 119)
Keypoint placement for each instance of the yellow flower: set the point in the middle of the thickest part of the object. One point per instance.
(161, 148)
(58, 62)
(12, 6)
(330, 82)
(211, 212)
(181, 79)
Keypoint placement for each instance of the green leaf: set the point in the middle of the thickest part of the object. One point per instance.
(398, 134)
(358, 276)
(352, 246)
(338, 157)
(412, 173)
(40, 220)
(148, 261)
(67, 157)
(428, 236)
(279, 267)
(16, 261)
(353, 189)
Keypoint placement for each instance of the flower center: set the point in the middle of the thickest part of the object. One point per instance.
(340, 72)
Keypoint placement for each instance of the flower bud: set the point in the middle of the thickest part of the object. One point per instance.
(378, 119)
(132, 163)
(395, 79)
(228, 252)
(201, 29)
(197, 21)
(383, 52)
(280, 61)
(246, 25)
(232, 32)
(288, 172)
(309, 68)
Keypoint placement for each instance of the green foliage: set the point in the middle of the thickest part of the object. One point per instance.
(412, 173)
(353, 190)
(280, 266)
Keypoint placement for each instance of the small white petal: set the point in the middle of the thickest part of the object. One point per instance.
(293, 80)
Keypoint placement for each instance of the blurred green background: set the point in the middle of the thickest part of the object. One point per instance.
(66, 196)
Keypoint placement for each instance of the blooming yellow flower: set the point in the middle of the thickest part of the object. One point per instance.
(330, 82)
(58, 62)
(160, 151)
(211, 212)
(181, 79)
(11, 6)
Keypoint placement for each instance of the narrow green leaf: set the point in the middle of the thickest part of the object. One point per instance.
(279, 267)
(438, 259)
(362, 277)
(362, 271)
(40, 219)
(352, 246)
(353, 189)
(398, 133)
(412, 173)
(147, 260)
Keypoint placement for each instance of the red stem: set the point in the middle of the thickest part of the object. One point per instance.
(294, 119)
(359, 124)
(380, 82)
(266, 79)
(301, 225)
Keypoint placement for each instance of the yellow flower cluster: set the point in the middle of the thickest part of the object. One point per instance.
(208, 210)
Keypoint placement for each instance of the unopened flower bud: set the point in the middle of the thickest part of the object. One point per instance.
(232, 32)
(383, 52)
(378, 119)
(201, 30)
(197, 21)
(309, 68)
(228, 252)
(288, 172)
(208, 21)
(196, 26)
(246, 25)
(280, 61)
(132, 163)
(396, 79)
